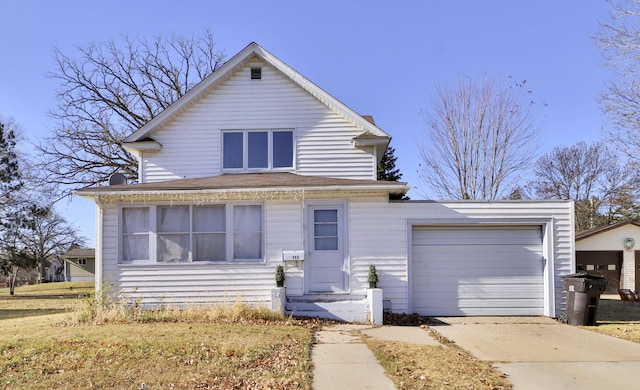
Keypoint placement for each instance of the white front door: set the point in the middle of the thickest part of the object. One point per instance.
(325, 265)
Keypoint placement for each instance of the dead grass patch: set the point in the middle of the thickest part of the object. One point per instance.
(618, 319)
(123, 346)
(160, 355)
(412, 366)
(43, 299)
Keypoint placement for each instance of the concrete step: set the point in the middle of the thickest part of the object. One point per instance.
(347, 309)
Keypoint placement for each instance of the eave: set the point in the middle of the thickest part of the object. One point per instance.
(241, 186)
(142, 146)
(380, 143)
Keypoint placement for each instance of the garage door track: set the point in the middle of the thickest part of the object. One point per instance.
(541, 353)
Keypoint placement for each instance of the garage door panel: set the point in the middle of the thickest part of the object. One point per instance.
(494, 291)
(478, 271)
(489, 269)
(475, 236)
(448, 250)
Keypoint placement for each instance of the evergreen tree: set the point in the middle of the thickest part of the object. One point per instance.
(12, 222)
(10, 178)
(387, 168)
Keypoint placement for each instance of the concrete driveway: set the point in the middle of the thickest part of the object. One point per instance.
(541, 353)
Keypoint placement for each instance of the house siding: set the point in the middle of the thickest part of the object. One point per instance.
(77, 272)
(192, 141)
(379, 234)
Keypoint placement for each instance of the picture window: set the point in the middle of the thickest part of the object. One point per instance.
(190, 233)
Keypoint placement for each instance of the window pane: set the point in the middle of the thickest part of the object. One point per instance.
(135, 247)
(135, 219)
(173, 248)
(247, 245)
(135, 233)
(258, 153)
(325, 215)
(326, 243)
(282, 149)
(232, 150)
(210, 247)
(330, 229)
(247, 218)
(209, 219)
(247, 232)
(173, 219)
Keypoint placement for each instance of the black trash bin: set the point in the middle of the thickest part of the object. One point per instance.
(583, 297)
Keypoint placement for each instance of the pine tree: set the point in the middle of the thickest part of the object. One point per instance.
(13, 216)
(387, 168)
(10, 179)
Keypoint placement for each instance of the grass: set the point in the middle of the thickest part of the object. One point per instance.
(618, 319)
(42, 299)
(85, 347)
(446, 366)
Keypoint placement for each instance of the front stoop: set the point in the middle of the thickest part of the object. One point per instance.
(341, 307)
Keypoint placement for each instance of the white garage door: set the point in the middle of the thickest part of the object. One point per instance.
(460, 271)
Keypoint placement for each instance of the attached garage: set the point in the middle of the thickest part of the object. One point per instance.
(478, 270)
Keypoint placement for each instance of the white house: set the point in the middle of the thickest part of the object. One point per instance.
(611, 251)
(258, 167)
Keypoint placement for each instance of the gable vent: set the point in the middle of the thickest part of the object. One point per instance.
(256, 73)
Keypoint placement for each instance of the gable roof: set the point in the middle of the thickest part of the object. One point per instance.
(599, 230)
(249, 182)
(220, 75)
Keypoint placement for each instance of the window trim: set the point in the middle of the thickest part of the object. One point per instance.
(245, 149)
(153, 235)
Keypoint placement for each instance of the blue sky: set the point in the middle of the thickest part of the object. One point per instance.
(381, 58)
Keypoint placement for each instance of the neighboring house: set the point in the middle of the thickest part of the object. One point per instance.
(54, 269)
(80, 265)
(257, 166)
(611, 252)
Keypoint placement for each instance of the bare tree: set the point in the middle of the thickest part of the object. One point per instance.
(603, 188)
(479, 139)
(51, 236)
(619, 41)
(110, 89)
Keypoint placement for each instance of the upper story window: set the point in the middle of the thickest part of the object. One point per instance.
(270, 149)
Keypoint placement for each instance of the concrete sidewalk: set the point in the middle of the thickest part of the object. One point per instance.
(342, 361)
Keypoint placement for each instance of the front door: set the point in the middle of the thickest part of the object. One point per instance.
(325, 265)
